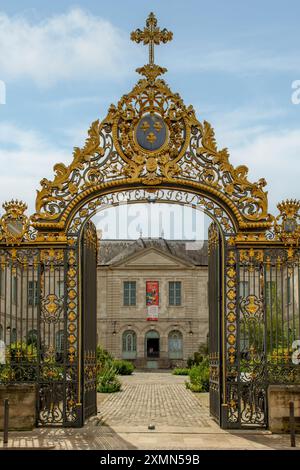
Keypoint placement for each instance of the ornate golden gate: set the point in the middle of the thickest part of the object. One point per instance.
(150, 147)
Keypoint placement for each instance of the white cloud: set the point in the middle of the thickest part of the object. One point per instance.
(234, 60)
(275, 156)
(75, 45)
(239, 126)
(80, 46)
(269, 151)
(25, 158)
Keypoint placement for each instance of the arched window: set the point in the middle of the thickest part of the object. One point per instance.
(129, 345)
(175, 345)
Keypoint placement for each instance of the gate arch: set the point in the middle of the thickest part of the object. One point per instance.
(150, 147)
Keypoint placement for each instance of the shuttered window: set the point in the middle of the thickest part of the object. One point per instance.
(175, 293)
(129, 293)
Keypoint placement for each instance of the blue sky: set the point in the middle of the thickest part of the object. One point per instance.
(64, 62)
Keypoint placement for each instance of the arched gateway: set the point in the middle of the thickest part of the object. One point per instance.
(150, 147)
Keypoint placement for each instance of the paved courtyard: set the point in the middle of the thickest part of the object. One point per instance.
(181, 421)
(155, 398)
(181, 418)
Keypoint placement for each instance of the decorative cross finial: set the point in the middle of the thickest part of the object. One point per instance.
(151, 35)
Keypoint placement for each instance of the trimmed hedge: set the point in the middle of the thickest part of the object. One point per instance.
(123, 367)
(181, 371)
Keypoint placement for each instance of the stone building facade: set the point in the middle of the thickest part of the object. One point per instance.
(131, 273)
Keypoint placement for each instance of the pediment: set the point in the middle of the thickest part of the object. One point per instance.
(152, 258)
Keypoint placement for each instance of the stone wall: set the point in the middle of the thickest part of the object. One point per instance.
(22, 406)
(279, 397)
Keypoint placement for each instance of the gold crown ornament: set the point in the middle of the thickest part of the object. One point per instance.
(14, 223)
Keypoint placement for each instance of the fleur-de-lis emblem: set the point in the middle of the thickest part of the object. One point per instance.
(157, 126)
(151, 137)
(145, 126)
(151, 132)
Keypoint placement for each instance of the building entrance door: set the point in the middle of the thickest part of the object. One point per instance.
(152, 344)
(153, 347)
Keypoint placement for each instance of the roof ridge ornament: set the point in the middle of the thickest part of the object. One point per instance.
(151, 36)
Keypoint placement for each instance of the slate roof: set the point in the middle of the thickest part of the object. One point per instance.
(115, 251)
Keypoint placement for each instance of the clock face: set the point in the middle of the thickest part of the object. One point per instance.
(151, 133)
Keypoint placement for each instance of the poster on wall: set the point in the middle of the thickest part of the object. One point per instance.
(152, 300)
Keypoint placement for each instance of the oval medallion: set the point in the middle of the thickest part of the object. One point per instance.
(151, 132)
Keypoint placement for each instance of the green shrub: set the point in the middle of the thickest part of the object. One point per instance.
(104, 361)
(21, 352)
(108, 382)
(123, 367)
(7, 374)
(107, 370)
(180, 371)
(198, 356)
(190, 362)
(21, 361)
(199, 377)
(103, 357)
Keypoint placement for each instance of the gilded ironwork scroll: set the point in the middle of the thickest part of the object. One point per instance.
(151, 138)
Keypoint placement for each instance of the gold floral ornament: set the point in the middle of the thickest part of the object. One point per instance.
(14, 223)
(286, 225)
(252, 307)
(51, 308)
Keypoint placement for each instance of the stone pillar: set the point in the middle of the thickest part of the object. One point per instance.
(22, 406)
(279, 397)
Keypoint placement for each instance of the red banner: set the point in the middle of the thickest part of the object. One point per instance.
(152, 300)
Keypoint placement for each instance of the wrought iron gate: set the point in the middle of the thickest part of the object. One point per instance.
(214, 300)
(40, 326)
(35, 329)
(150, 147)
(260, 330)
(89, 320)
(267, 330)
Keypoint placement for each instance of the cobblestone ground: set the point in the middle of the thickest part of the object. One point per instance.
(155, 398)
(181, 418)
(181, 421)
